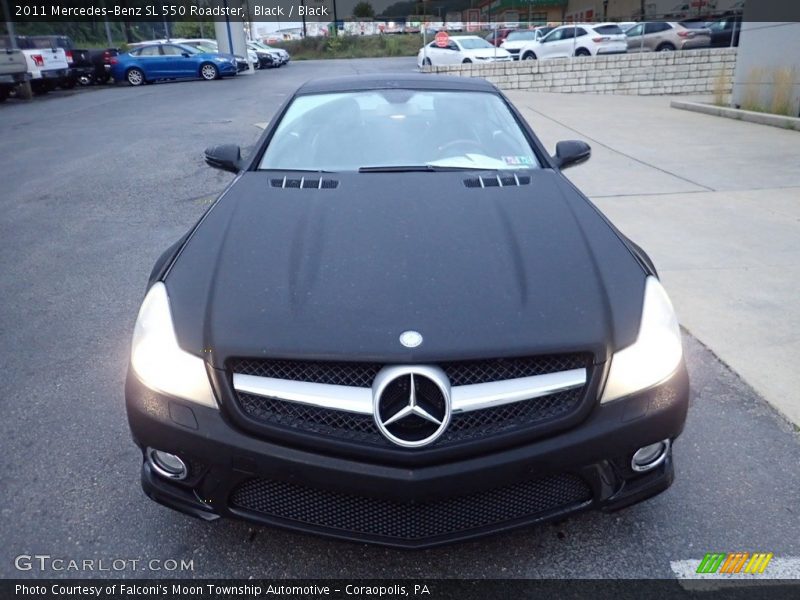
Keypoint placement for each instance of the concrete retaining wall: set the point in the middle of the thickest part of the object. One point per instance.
(690, 72)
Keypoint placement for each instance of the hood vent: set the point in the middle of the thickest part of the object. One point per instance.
(304, 183)
(512, 180)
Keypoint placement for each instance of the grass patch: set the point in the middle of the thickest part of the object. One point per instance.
(769, 91)
(782, 83)
(751, 99)
(722, 88)
(353, 46)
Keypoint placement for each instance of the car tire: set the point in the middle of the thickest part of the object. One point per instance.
(101, 79)
(665, 48)
(529, 56)
(209, 71)
(582, 52)
(135, 77)
(3, 93)
(427, 62)
(24, 91)
(466, 61)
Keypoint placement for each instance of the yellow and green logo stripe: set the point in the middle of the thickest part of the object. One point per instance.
(734, 562)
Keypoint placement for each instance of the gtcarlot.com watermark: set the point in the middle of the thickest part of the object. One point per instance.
(46, 563)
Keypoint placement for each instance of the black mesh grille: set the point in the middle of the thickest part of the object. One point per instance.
(357, 374)
(482, 371)
(390, 519)
(353, 427)
(311, 419)
(334, 373)
(510, 417)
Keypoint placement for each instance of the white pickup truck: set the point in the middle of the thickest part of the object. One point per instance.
(13, 71)
(47, 66)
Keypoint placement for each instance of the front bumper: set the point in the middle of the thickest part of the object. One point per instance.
(234, 474)
(228, 68)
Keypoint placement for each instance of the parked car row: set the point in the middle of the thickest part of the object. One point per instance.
(259, 55)
(577, 39)
(39, 64)
(53, 61)
(592, 39)
(189, 59)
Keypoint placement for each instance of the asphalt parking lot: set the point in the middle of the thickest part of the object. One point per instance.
(95, 184)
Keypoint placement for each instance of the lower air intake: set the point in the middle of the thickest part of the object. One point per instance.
(391, 520)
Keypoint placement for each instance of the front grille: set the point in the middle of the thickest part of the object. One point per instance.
(526, 500)
(361, 374)
(352, 427)
(359, 428)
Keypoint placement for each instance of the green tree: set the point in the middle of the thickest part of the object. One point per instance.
(363, 10)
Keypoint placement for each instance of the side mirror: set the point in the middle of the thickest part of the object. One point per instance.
(185, 54)
(571, 152)
(227, 157)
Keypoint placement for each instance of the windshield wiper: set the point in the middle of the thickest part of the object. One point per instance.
(416, 168)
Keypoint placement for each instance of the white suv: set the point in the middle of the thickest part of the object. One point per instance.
(579, 39)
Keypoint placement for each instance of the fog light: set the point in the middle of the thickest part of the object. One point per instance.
(166, 464)
(649, 457)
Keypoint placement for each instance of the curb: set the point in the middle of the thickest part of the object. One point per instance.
(738, 114)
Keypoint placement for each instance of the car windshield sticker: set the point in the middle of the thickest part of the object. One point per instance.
(518, 160)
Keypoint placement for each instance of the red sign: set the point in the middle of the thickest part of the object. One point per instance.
(442, 39)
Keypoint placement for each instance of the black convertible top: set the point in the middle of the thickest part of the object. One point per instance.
(378, 81)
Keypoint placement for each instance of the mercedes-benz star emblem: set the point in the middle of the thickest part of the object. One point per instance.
(411, 339)
(411, 405)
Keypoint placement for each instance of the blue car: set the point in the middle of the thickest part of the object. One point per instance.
(152, 62)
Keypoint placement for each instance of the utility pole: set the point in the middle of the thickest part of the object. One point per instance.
(303, 4)
(109, 39)
(9, 25)
(335, 20)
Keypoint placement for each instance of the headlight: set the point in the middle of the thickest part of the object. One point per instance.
(221, 59)
(654, 355)
(157, 359)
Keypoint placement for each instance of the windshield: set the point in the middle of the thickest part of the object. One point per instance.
(194, 49)
(204, 47)
(398, 128)
(516, 36)
(474, 43)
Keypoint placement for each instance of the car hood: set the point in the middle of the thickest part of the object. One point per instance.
(340, 273)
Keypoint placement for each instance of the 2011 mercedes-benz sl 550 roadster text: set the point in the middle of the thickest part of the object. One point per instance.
(400, 323)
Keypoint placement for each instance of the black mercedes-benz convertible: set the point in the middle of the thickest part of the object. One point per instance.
(400, 323)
